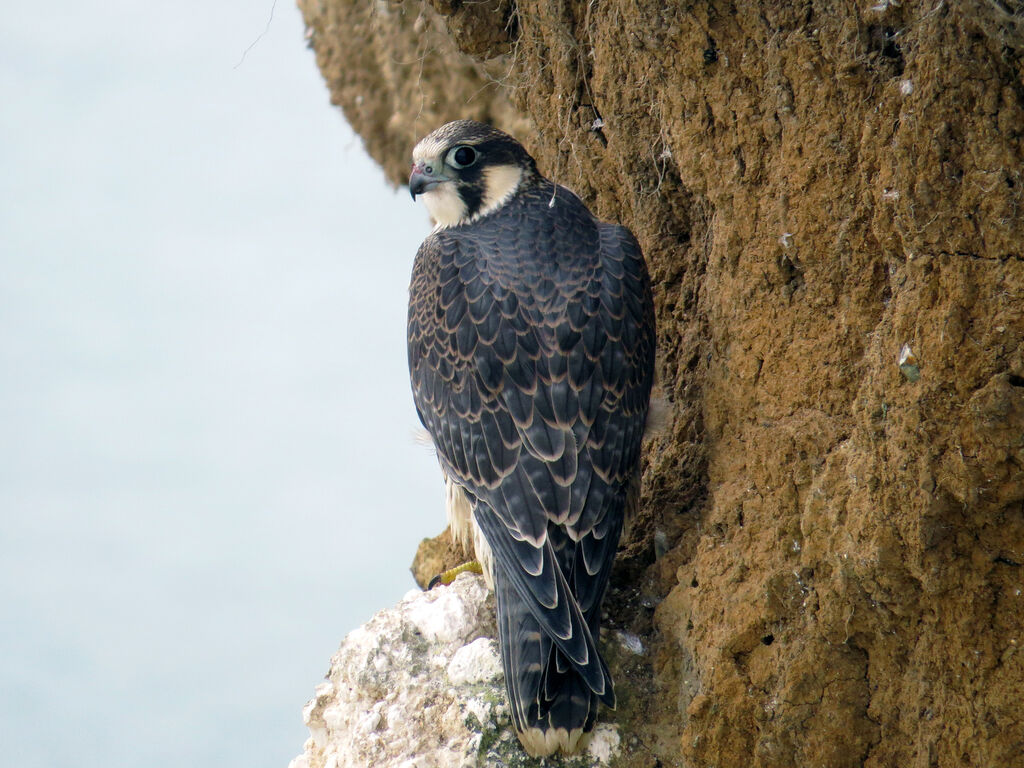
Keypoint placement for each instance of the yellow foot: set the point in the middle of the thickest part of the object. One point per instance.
(448, 576)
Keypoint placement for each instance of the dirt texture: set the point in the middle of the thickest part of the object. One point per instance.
(435, 556)
(828, 566)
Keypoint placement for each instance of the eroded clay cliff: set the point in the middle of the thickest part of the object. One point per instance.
(829, 562)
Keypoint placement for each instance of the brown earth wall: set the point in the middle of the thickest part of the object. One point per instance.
(829, 562)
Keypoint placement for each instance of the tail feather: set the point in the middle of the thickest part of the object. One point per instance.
(536, 579)
(553, 707)
(568, 703)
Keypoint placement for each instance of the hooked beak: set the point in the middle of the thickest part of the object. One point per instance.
(424, 178)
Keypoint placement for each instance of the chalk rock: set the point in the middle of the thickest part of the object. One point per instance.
(420, 686)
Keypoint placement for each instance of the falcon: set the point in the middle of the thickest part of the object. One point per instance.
(531, 354)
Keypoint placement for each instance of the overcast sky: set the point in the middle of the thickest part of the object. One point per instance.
(207, 470)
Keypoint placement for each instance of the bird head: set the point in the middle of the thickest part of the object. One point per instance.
(465, 170)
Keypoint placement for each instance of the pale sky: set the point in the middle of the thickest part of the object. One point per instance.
(207, 469)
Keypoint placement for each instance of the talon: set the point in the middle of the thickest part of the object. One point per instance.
(448, 576)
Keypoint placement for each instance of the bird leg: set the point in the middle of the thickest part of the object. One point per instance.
(448, 576)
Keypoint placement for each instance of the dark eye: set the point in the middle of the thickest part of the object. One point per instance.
(462, 157)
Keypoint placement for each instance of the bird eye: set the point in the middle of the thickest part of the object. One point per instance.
(462, 157)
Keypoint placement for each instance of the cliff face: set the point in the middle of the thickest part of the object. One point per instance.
(828, 563)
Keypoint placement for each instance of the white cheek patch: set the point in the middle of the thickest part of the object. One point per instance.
(444, 204)
(500, 183)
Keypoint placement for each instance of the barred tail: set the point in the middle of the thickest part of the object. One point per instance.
(553, 707)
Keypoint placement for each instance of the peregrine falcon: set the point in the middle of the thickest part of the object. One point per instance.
(531, 354)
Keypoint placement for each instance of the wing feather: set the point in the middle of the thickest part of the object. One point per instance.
(531, 369)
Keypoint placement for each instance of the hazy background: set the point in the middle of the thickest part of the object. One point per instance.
(207, 475)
